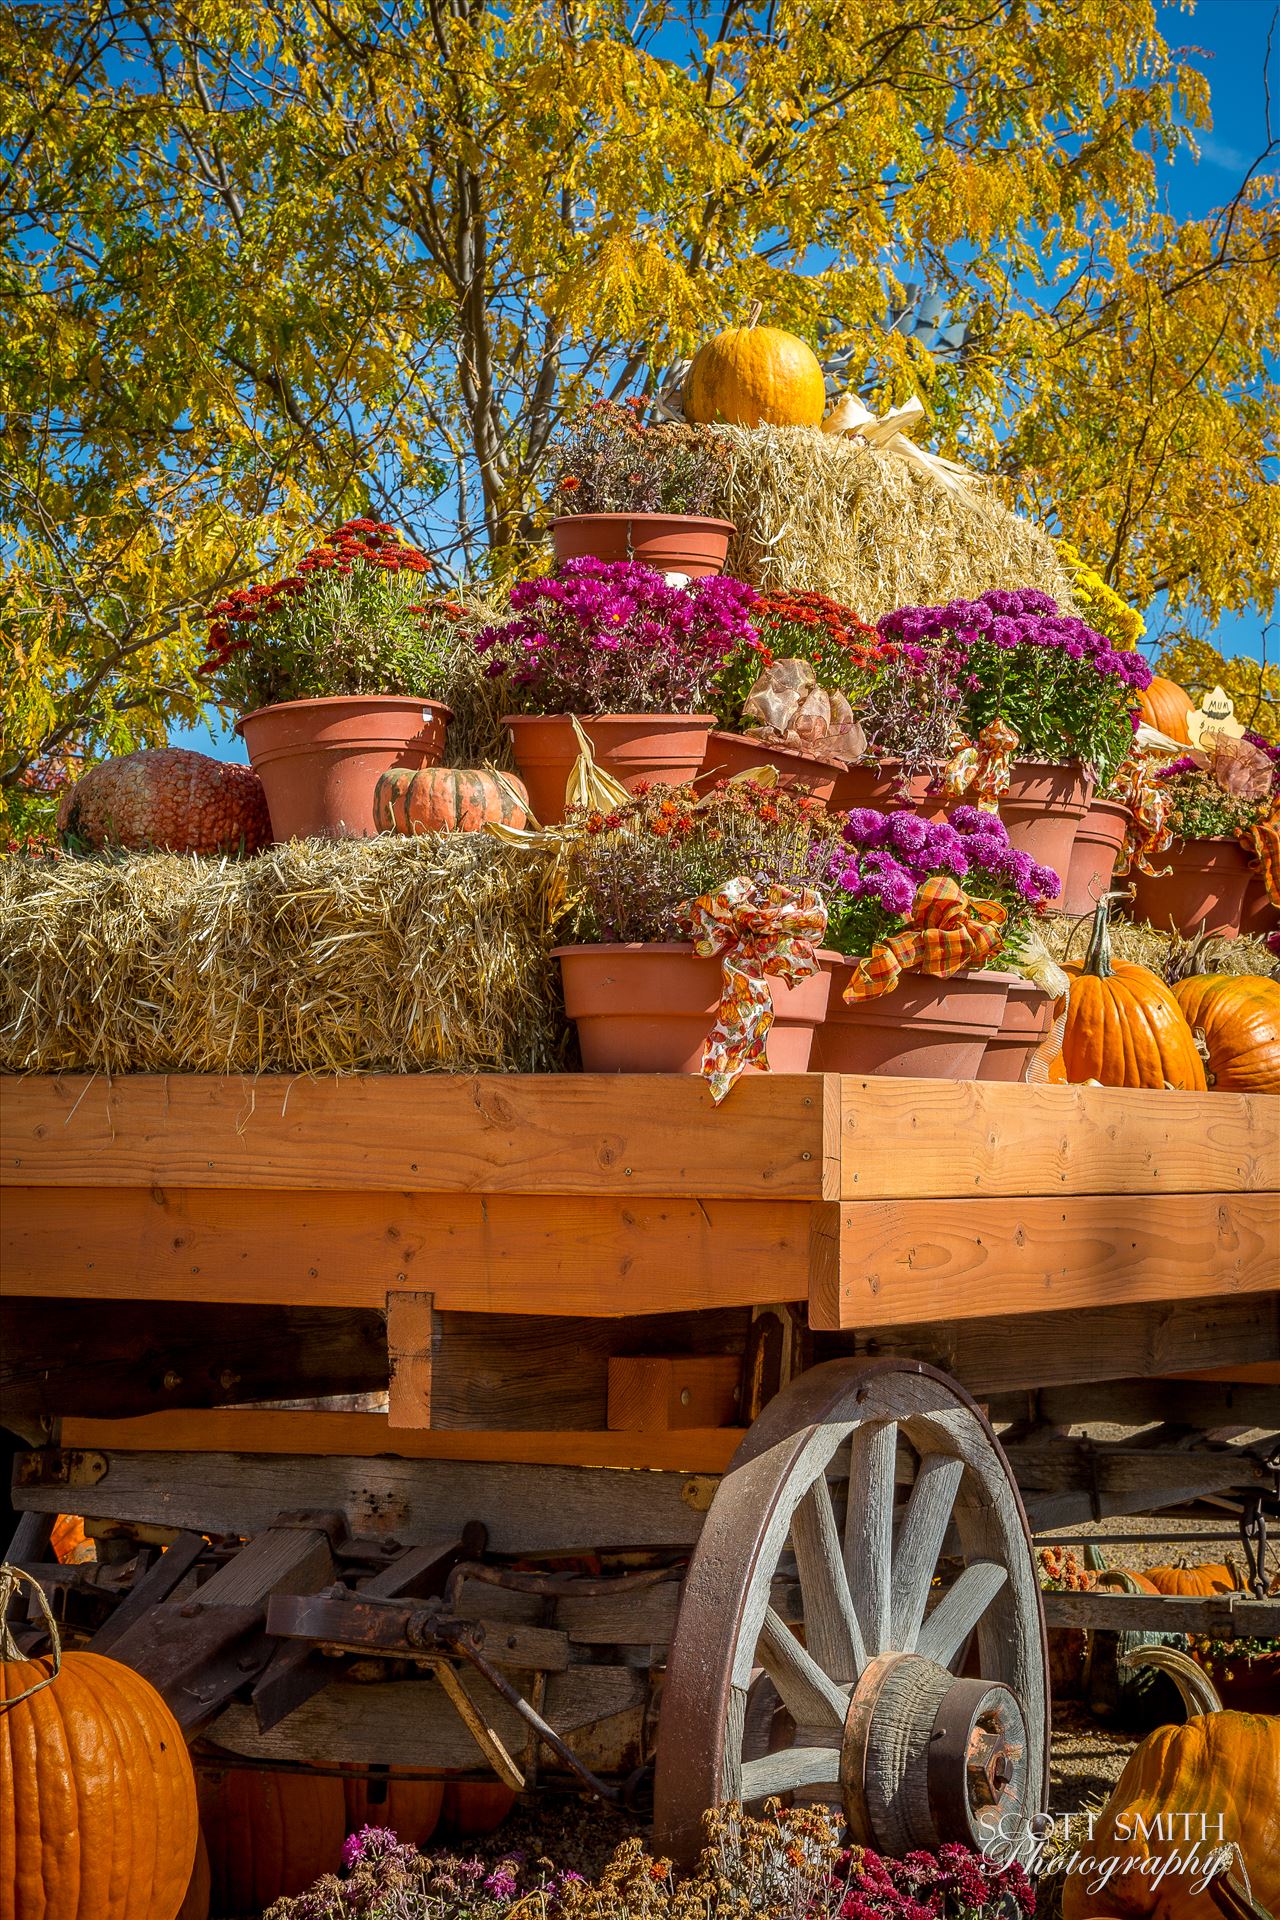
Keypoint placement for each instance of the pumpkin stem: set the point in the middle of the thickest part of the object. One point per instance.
(1187, 957)
(1231, 1899)
(1097, 960)
(10, 1575)
(757, 308)
(1198, 1692)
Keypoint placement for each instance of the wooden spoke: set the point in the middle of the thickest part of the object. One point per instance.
(809, 1696)
(868, 1531)
(832, 1633)
(920, 1540)
(793, 1768)
(959, 1610)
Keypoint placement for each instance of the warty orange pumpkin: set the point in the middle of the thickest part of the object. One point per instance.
(1239, 1016)
(410, 1808)
(269, 1834)
(755, 376)
(97, 1797)
(447, 800)
(1220, 1766)
(1165, 706)
(1124, 1027)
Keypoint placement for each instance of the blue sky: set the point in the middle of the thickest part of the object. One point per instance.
(1230, 38)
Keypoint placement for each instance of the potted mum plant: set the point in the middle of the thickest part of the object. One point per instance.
(624, 491)
(330, 669)
(642, 998)
(928, 906)
(1217, 795)
(1063, 689)
(633, 657)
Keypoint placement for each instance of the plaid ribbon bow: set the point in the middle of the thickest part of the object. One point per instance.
(947, 931)
(757, 931)
(1261, 841)
(985, 767)
(1148, 833)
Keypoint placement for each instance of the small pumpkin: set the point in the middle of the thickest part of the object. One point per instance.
(1218, 1766)
(755, 376)
(97, 1797)
(1209, 1577)
(447, 800)
(1124, 1027)
(410, 1808)
(269, 1834)
(1165, 705)
(474, 1807)
(1239, 1016)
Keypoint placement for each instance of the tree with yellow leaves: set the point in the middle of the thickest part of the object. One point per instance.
(277, 259)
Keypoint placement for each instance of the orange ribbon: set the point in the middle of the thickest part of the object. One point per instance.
(947, 931)
(1261, 841)
(986, 766)
(1148, 832)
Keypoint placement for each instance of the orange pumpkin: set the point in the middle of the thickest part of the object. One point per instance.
(476, 1807)
(269, 1834)
(1219, 1767)
(446, 800)
(755, 376)
(1239, 1016)
(1165, 706)
(411, 1808)
(97, 1798)
(1124, 1027)
(196, 1904)
(1209, 1577)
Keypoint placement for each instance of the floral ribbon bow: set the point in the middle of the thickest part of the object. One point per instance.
(757, 931)
(985, 767)
(947, 931)
(1148, 832)
(1261, 841)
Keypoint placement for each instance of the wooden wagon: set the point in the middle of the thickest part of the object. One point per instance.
(682, 1481)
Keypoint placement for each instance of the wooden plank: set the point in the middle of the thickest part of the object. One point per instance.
(922, 1260)
(1129, 1402)
(1217, 1616)
(411, 1331)
(919, 1139)
(656, 1392)
(1262, 1373)
(1012, 1351)
(370, 1435)
(526, 1510)
(504, 1254)
(404, 1133)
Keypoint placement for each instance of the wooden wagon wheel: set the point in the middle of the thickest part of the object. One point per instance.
(879, 1720)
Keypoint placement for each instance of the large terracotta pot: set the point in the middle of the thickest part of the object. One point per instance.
(320, 760)
(1099, 838)
(926, 1029)
(879, 787)
(633, 747)
(732, 753)
(648, 1008)
(672, 542)
(1043, 808)
(1205, 886)
(1259, 916)
(1027, 1018)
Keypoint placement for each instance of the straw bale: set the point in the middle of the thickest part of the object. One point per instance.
(431, 954)
(822, 512)
(1065, 936)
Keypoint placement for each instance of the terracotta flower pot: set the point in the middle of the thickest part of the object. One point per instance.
(1259, 916)
(671, 542)
(320, 760)
(926, 1029)
(648, 1008)
(732, 753)
(633, 747)
(1027, 1017)
(1043, 809)
(878, 787)
(1206, 885)
(1099, 838)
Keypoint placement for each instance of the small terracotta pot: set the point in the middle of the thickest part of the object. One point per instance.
(878, 787)
(320, 760)
(926, 1029)
(1206, 884)
(732, 753)
(1099, 838)
(1260, 916)
(633, 747)
(671, 542)
(1043, 808)
(1027, 1017)
(648, 1008)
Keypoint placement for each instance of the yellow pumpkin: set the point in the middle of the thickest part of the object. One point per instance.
(97, 1797)
(1239, 1016)
(1221, 1768)
(755, 376)
(1165, 705)
(1124, 1027)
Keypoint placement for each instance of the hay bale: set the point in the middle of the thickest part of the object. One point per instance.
(822, 512)
(1067, 936)
(386, 955)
